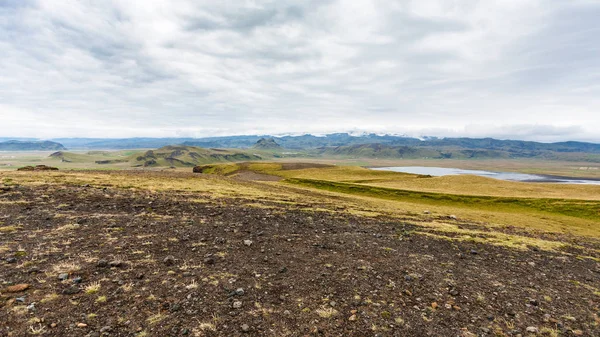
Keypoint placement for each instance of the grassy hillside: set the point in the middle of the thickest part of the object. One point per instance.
(183, 156)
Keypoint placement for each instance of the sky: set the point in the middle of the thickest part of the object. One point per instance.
(511, 69)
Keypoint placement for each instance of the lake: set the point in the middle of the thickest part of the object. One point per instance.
(510, 176)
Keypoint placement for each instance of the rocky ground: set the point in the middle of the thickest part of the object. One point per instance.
(94, 261)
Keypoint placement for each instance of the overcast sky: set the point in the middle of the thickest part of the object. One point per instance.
(521, 69)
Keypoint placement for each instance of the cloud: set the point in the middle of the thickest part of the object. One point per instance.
(166, 68)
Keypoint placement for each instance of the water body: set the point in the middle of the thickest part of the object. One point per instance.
(510, 176)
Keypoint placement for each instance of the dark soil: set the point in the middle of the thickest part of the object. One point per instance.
(170, 266)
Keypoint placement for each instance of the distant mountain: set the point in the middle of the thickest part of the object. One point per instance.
(17, 145)
(266, 144)
(469, 149)
(513, 145)
(119, 144)
(511, 148)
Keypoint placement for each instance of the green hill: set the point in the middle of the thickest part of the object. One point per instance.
(182, 156)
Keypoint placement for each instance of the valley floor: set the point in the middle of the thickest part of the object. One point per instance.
(84, 255)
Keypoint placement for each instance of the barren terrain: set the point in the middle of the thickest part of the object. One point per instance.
(86, 259)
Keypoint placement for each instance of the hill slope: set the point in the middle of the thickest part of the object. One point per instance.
(180, 156)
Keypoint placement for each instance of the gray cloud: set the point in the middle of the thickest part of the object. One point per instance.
(523, 69)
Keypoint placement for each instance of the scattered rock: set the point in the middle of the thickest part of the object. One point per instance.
(474, 252)
(116, 263)
(63, 276)
(31, 307)
(248, 243)
(71, 290)
(426, 212)
(245, 328)
(453, 217)
(77, 280)
(239, 291)
(454, 292)
(11, 260)
(209, 260)
(81, 325)
(352, 318)
(20, 299)
(532, 329)
(102, 264)
(169, 260)
(237, 304)
(534, 302)
(17, 288)
(105, 329)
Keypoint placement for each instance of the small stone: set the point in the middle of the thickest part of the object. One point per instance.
(426, 212)
(283, 270)
(17, 288)
(209, 260)
(115, 263)
(102, 264)
(239, 291)
(77, 280)
(31, 307)
(454, 292)
(20, 299)
(534, 302)
(11, 260)
(352, 318)
(81, 325)
(237, 304)
(105, 329)
(248, 243)
(474, 252)
(453, 217)
(63, 276)
(532, 329)
(71, 290)
(169, 260)
(53, 325)
(245, 328)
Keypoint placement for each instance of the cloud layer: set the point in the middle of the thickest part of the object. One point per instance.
(525, 69)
